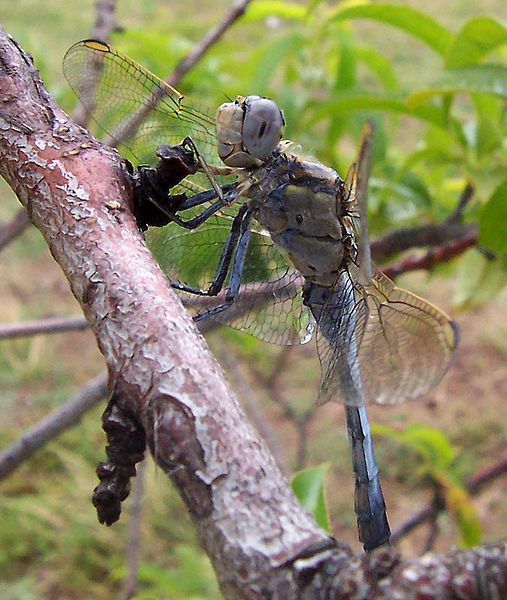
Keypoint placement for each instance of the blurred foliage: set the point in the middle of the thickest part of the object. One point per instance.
(438, 463)
(438, 97)
(308, 485)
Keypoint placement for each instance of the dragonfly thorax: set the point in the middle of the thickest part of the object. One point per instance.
(300, 204)
(248, 130)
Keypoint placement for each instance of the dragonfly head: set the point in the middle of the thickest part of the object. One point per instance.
(248, 130)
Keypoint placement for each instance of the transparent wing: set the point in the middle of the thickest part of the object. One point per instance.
(269, 305)
(136, 109)
(379, 343)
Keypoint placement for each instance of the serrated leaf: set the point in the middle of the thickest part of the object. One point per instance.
(493, 222)
(413, 22)
(308, 486)
(486, 79)
(262, 9)
(477, 37)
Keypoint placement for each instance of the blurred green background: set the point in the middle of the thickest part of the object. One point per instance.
(436, 83)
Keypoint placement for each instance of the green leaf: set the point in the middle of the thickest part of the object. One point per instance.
(347, 102)
(411, 21)
(439, 458)
(488, 107)
(493, 223)
(308, 486)
(313, 5)
(488, 137)
(268, 58)
(460, 505)
(478, 280)
(269, 8)
(379, 65)
(475, 39)
(429, 443)
(346, 70)
(487, 79)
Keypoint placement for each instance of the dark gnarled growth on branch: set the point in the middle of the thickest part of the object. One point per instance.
(260, 541)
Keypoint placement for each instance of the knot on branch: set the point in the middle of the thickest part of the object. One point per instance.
(176, 448)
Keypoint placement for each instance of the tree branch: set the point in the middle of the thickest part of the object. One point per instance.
(434, 256)
(261, 542)
(433, 234)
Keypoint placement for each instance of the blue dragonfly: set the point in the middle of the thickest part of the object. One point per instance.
(275, 244)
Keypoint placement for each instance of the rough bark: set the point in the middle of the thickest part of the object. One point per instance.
(261, 542)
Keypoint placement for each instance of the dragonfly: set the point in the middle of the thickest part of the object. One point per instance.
(272, 243)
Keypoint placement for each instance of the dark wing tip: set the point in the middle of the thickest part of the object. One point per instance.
(95, 45)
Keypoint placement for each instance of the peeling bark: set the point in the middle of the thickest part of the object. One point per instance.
(260, 541)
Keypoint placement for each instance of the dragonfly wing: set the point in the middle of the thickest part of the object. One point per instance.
(137, 110)
(341, 323)
(269, 305)
(399, 344)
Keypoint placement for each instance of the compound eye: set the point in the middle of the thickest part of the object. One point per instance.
(263, 126)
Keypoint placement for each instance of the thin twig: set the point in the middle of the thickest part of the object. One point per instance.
(433, 532)
(271, 382)
(134, 534)
(434, 256)
(432, 234)
(51, 325)
(302, 444)
(466, 195)
(52, 425)
(14, 228)
(438, 502)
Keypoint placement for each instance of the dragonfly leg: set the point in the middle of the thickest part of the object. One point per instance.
(200, 218)
(226, 258)
(228, 190)
(206, 213)
(236, 271)
(188, 141)
(185, 204)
